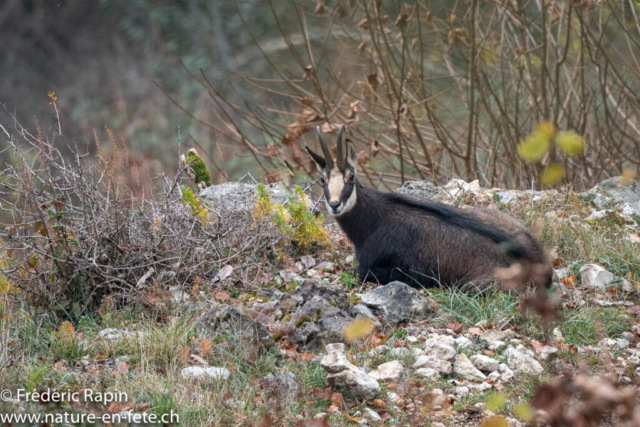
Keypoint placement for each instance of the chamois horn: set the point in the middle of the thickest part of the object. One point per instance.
(339, 156)
(325, 150)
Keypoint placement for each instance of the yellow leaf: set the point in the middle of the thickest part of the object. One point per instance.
(534, 146)
(627, 175)
(357, 329)
(495, 421)
(547, 128)
(65, 331)
(495, 402)
(524, 411)
(570, 142)
(552, 174)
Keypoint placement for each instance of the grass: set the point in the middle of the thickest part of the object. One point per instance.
(157, 356)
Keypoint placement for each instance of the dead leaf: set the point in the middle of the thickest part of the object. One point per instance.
(337, 399)
(119, 407)
(240, 415)
(221, 295)
(223, 273)
(267, 421)
(379, 403)
(143, 407)
(537, 346)
(205, 345)
(123, 368)
(634, 309)
(455, 327)
(475, 331)
(184, 353)
(333, 408)
(322, 393)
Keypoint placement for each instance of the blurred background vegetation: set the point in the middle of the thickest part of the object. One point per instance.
(429, 89)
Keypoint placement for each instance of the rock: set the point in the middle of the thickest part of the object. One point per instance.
(286, 383)
(463, 367)
(444, 339)
(561, 273)
(318, 320)
(417, 352)
(398, 302)
(342, 374)
(439, 350)
(388, 372)
(485, 363)
(548, 352)
(523, 362)
(497, 345)
(457, 188)
(428, 373)
(442, 366)
(372, 415)
(238, 196)
(326, 265)
(594, 276)
(200, 372)
(230, 321)
(612, 344)
(400, 352)
(461, 391)
(600, 201)
(420, 190)
(463, 342)
(335, 295)
(360, 311)
(506, 197)
(493, 335)
(625, 195)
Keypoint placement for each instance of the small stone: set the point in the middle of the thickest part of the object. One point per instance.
(411, 339)
(433, 347)
(463, 366)
(394, 398)
(461, 391)
(417, 352)
(497, 345)
(596, 277)
(506, 374)
(494, 376)
(343, 374)
(372, 415)
(400, 352)
(548, 352)
(442, 366)
(628, 336)
(523, 362)
(463, 342)
(485, 363)
(388, 372)
(428, 373)
(199, 372)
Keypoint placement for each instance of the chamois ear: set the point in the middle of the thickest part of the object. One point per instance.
(352, 155)
(317, 158)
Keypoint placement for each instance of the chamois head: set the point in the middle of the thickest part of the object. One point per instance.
(338, 178)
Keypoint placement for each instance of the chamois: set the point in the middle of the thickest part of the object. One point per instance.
(420, 242)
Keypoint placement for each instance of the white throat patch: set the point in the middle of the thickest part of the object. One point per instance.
(336, 185)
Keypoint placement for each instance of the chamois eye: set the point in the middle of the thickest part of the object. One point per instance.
(352, 177)
(322, 179)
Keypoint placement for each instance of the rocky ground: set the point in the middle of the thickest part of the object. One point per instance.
(273, 351)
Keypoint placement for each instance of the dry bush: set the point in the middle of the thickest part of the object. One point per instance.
(75, 229)
(442, 88)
